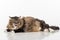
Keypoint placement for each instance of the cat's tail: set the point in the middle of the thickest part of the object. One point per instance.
(54, 27)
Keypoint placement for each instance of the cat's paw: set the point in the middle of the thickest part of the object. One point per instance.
(8, 30)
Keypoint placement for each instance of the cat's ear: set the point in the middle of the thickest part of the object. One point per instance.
(10, 17)
(19, 17)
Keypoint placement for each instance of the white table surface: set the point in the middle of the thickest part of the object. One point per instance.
(30, 36)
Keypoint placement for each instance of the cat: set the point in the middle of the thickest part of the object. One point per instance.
(28, 24)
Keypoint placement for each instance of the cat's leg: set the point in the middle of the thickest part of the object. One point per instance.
(18, 30)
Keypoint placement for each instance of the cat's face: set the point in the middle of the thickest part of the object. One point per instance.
(15, 21)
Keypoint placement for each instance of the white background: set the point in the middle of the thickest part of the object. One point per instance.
(48, 10)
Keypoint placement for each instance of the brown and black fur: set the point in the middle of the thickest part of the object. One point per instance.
(13, 20)
(20, 29)
(54, 27)
(29, 24)
(46, 26)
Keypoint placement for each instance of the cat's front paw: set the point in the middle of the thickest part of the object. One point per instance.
(8, 30)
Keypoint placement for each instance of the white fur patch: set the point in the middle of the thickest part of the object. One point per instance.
(39, 28)
(46, 30)
(51, 30)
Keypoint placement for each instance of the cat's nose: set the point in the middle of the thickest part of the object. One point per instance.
(15, 24)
